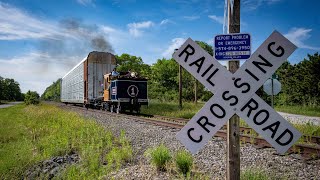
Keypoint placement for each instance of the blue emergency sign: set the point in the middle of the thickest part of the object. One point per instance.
(232, 46)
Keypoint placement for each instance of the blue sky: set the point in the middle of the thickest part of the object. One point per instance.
(42, 40)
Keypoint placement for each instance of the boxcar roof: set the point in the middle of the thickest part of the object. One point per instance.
(84, 59)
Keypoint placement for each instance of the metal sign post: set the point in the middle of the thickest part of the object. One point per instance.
(272, 87)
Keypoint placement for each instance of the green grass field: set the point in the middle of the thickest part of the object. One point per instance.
(189, 109)
(31, 134)
(171, 109)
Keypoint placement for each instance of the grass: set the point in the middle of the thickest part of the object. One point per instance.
(301, 110)
(160, 156)
(4, 102)
(171, 109)
(252, 174)
(31, 134)
(184, 161)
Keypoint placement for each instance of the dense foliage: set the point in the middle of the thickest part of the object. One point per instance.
(127, 62)
(52, 92)
(10, 90)
(300, 82)
(31, 97)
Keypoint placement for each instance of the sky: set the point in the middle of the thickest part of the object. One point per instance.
(41, 40)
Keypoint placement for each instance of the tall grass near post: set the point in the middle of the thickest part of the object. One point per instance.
(160, 156)
(31, 134)
(184, 162)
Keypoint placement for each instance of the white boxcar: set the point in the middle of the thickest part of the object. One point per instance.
(83, 84)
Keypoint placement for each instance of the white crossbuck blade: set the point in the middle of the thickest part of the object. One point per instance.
(235, 93)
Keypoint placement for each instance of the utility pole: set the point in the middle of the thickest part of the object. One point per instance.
(195, 90)
(233, 145)
(180, 87)
(180, 84)
(272, 93)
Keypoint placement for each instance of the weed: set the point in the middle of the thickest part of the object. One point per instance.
(252, 174)
(184, 161)
(160, 156)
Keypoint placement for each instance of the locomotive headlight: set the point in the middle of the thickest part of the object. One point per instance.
(133, 74)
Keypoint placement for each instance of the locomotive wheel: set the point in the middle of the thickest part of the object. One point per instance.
(118, 109)
(138, 109)
(111, 108)
(106, 107)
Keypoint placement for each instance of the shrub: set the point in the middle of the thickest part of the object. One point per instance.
(184, 161)
(31, 97)
(160, 156)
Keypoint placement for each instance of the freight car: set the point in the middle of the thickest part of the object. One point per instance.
(91, 84)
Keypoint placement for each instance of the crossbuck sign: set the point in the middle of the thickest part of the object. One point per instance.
(235, 93)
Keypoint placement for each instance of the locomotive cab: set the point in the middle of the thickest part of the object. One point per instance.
(124, 92)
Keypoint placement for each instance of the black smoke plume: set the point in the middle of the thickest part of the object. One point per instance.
(73, 42)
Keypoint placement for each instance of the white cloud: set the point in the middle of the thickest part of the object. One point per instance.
(107, 29)
(85, 2)
(255, 4)
(136, 29)
(175, 44)
(218, 19)
(210, 42)
(191, 18)
(298, 35)
(34, 71)
(165, 21)
(16, 24)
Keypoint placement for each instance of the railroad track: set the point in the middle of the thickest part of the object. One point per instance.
(247, 135)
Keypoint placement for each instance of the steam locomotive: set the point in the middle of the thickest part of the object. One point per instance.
(91, 84)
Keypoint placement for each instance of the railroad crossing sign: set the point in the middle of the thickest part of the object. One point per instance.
(235, 93)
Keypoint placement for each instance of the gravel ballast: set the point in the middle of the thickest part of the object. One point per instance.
(300, 119)
(211, 160)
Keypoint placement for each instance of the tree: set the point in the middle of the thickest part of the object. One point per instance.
(127, 62)
(206, 47)
(164, 80)
(10, 89)
(52, 93)
(31, 97)
(1, 88)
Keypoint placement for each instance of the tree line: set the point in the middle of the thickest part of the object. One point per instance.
(300, 82)
(52, 93)
(10, 90)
